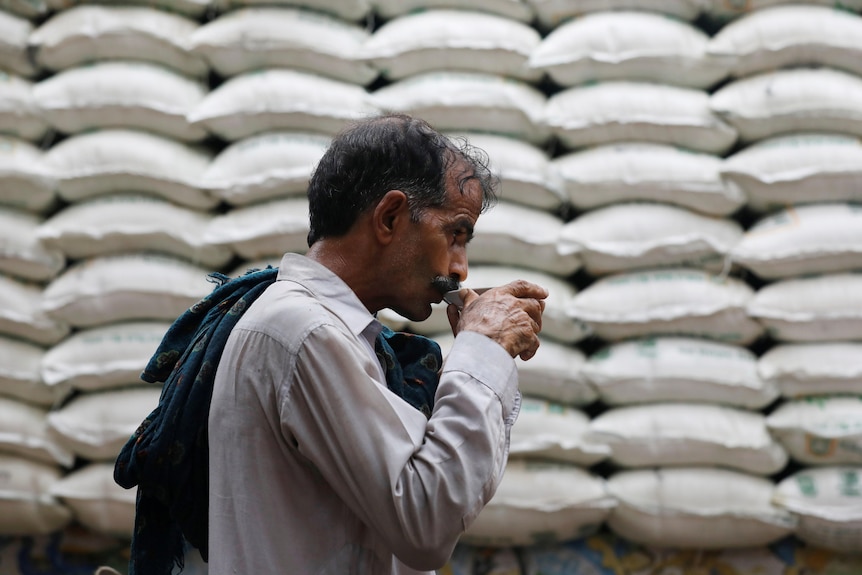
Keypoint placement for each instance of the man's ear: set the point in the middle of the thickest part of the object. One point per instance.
(390, 213)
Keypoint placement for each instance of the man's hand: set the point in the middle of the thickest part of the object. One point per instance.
(510, 314)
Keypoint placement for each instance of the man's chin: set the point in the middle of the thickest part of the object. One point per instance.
(416, 315)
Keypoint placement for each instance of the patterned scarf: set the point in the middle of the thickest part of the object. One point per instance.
(167, 457)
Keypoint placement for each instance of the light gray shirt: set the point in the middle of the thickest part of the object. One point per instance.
(317, 468)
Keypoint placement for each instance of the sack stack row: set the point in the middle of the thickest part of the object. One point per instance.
(682, 176)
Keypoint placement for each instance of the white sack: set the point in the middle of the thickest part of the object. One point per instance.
(22, 254)
(260, 37)
(121, 95)
(828, 505)
(820, 430)
(26, 506)
(801, 369)
(125, 223)
(14, 34)
(103, 357)
(526, 174)
(696, 508)
(20, 111)
(24, 432)
(672, 301)
(520, 236)
(21, 373)
(629, 45)
(626, 171)
(113, 160)
(470, 101)
(791, 100)
(820, 308)
(264, 167)
(84, 34)
(280, 99)
(266, 229)
(546, 430)
(440, 39)
(620, 110)
(803, 240)
(678, 369)
(688, 434)
(117, 288)
(97, 501)
(628, 236)
(797, 168)
(539, 502)
(789, 36)
(96, 425)
(22, 316)
(25, 180)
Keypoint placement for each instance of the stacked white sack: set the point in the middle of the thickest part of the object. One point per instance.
(602, 175)
(21, 374)
(14, 34)
(453, 40)
(797, 169)
(629, 45)
(805, 369)
(103, 357)
(671, 301)
(470, 101)
(827, 503)
(26, 505)
(133, 223)
(818, 238)
(92, 33)
(696, 508)
(120, 160)
(541, 502)
(681, 434)
(820, 430)
(263, 37)
(20, 113)
(26, 182)
(121, 94)
(678, 369)
(632, 235)
(268, 166)
(22, 253)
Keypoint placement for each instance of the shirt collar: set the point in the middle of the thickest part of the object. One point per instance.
(332, 290)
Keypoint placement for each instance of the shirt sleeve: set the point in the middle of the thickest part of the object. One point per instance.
(417, 482)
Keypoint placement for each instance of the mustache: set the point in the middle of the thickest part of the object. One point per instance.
(445, 284)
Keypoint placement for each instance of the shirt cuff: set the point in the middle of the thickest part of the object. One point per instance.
(487, 362)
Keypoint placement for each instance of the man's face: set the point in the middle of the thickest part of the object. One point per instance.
(436, 247)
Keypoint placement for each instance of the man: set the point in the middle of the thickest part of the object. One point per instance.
(315, 465)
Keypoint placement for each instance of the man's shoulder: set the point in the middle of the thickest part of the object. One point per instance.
(287, 311)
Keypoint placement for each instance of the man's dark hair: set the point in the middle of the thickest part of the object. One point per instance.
(390, 152)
